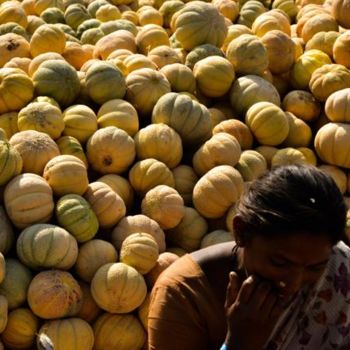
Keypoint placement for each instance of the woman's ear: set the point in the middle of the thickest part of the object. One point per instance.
(238, 228)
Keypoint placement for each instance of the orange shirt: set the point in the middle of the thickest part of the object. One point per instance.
(185, 313)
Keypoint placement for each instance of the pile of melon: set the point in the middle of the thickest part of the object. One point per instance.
(128, 131)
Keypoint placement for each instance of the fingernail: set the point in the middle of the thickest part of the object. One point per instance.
(232, 276)
(250, 279)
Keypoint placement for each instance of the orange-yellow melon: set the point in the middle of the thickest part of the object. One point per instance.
(54, 294)
(118, 288)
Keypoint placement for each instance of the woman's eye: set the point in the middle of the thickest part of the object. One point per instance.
(279, 263)
(318, 268)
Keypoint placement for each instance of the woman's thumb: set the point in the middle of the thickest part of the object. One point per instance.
(232, 289)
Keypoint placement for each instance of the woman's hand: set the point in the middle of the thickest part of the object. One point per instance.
(252, 311)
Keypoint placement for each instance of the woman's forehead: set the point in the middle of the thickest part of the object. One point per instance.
(301, 248)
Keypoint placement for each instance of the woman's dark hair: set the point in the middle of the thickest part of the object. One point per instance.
(293, 198)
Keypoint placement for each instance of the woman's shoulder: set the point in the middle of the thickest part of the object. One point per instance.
(216, 258)
(215, 252)
(179, 272)
(196, 266)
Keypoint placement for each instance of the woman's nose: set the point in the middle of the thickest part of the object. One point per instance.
(292, 283)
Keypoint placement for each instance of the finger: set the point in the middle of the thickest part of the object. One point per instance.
(259, 295)
(269, 303)
(276, 310)
(232, 289)
(247, 289)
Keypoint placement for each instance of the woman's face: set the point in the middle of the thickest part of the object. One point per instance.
(297, 259)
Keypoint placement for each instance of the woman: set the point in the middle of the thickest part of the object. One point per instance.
(284, 284)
